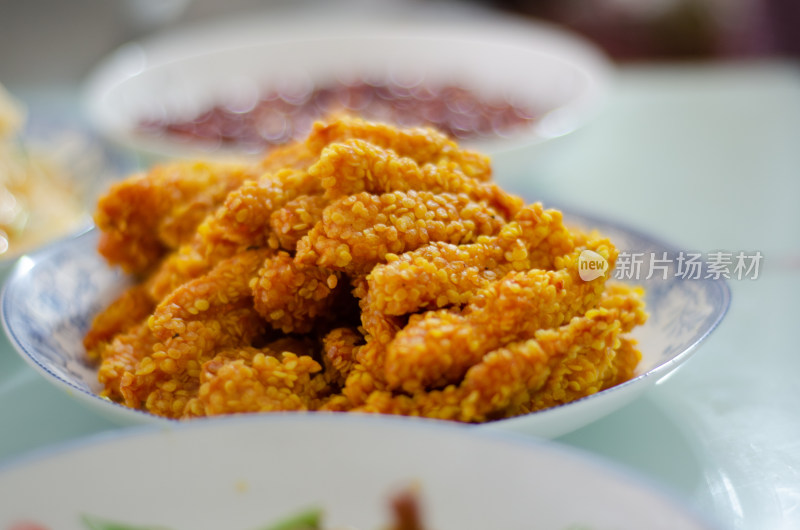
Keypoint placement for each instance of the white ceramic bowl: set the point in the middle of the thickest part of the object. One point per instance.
(51, 297)
(246, 473)
(181, 71)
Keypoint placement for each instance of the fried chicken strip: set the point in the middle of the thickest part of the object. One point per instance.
(141, 218)
(423, 144)
(356, 165)
(290, 296)
(358, 231)
(601, 358)
(558, 365)
(440, 274)
(128, 310)
(252, 380)
(242, 221)
(437, 347)
(211, 312)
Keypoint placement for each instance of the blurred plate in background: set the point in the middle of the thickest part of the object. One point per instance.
(558, 78)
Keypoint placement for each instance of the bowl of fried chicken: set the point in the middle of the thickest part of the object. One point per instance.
(368, 268)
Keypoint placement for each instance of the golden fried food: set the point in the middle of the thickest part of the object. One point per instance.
(356, 165)
(556, 366)
(190, 325)
(262, 382)
(422, 144)
(126, 311)
(444, 274)
(359, 231)
(437, 347)
(143, 217)
(290, 296)
(242, 221)
(290, 223)
(368, 269)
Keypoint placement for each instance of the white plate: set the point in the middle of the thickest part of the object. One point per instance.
(247, 472)
(51, 297)
(186, 69)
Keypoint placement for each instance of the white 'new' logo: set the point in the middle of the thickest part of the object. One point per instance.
(591, 265)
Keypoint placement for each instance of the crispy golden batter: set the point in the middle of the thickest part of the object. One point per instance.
(367, 269)
(130, 308)
(211, 312)
(122, 355)
(437, 347)
(432, 277)
(143, 217)
(244, 218)
(292, 221)
(291, 296)
(358, 231)
(538, 237)
(597, 356)
(356, 165)
(556, 366)
(422, 144)
(501, 382)
(442, 274)
(250, 380)
(242, 221)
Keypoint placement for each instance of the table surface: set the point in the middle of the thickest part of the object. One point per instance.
(705, 156)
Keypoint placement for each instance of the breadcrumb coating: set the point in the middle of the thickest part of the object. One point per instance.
(211, 312)
(121, 356)
(292, 221)
(339, 347)
(369, 269)
(291, 296)
(358, 231)
(241, 222)
(255, 382)
(143, 217)
(438, 347)
(422, 144)
(356, 165)
(130, 308)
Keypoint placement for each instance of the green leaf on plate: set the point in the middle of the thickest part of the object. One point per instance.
(98, 523)
(310, 519)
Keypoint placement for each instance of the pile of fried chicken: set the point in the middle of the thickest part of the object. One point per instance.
(368, 268)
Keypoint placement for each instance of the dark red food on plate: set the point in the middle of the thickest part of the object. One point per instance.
(279, 116)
